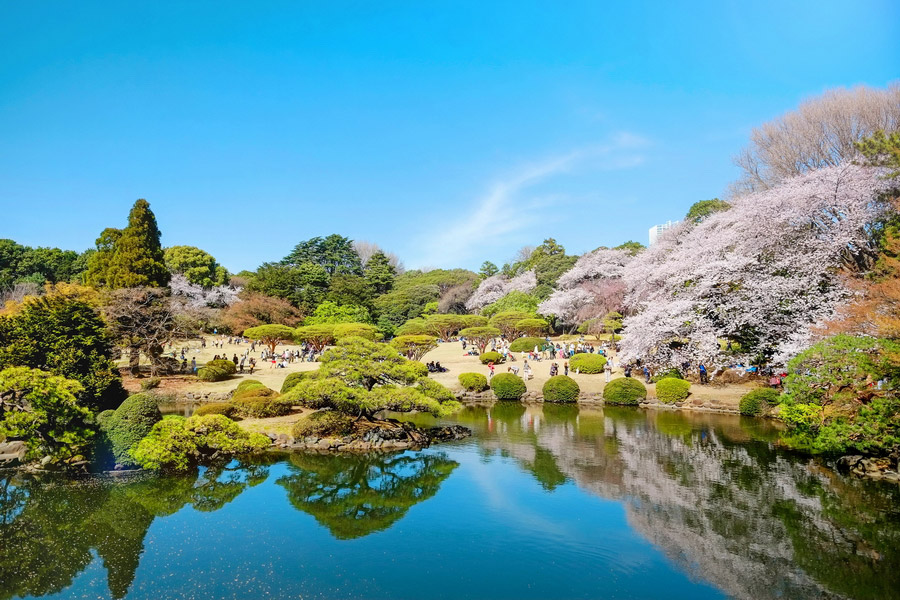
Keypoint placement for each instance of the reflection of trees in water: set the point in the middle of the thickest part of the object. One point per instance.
(713, 493)
(354, 496)
(49, 528)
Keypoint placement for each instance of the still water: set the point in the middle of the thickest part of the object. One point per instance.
(539, 503)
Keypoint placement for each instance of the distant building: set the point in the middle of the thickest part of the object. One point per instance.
(658, 229)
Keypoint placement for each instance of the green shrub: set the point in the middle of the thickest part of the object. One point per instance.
(212, 374)
(292, 380)
(150, 384)
(252, 389)
(324, 423)
(561, 388)
(670, 390)
(177, 444)
(473, 382)
(587, 363)
(526, 344)
(507, 386)
(129, 424)
(261, 407)
(224, 364)
(103, 417)
(494, 357)
(757, 402)
(216, 408)
(673, 373)
(830, 405)
(626, 391)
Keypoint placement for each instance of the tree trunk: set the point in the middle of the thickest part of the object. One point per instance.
(134, 361)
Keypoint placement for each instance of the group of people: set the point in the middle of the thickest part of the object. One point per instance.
(435, 367)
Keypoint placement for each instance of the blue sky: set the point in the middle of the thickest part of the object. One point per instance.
(447, 132)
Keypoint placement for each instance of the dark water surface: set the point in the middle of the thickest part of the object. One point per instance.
(540, 503)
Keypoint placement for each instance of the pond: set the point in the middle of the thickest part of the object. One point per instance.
(546, 502)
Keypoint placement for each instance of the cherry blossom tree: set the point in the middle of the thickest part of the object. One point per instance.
(590, 289)
(759, 274)
(497, 286)
(198, 296)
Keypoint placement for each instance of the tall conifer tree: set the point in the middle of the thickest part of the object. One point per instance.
(132, 257)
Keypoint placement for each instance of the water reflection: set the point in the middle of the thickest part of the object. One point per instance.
(716, 496)
(712, 492)
(50, 528)
(354, 496)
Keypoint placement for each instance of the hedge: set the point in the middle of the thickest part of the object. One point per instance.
(671, 390)
(626, 391)
(587, 363)
(526, 344)
(494, 357)
(561, 388)
(757, 402)
(507, 386)
(216, 408)
(323, 423)
(473, 382)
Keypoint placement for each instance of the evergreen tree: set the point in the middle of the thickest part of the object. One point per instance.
(380, 273)
(131, 257)
(334, 253)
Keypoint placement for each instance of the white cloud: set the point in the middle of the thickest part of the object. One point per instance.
(502, 211)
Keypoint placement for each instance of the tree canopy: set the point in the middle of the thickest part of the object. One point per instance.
(270, 335)
(334, 253)
(360, 378)
(198, 266)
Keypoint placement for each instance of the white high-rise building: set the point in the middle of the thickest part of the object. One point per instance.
(658, 229)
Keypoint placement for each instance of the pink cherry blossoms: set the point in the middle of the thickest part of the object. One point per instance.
(197, 296)
(495, 287)
(590, 289)
(760, 273)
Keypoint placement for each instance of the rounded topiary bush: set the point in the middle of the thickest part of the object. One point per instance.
(473, 382)
(625, 391)
(207, 373)
(670, 390)
(291, 380)
(129, 424)
(526, 344)
(757, 402)
(587, 363)
(216, 408)
(561, 388)
(252, 389)
(224, 364)
(494, 357)
(507, 386)
(261, 408)
(324, 423)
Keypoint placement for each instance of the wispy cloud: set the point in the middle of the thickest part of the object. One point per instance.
(502, 210)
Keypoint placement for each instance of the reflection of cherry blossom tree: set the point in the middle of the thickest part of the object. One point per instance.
(495, 287)
(760, 273)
